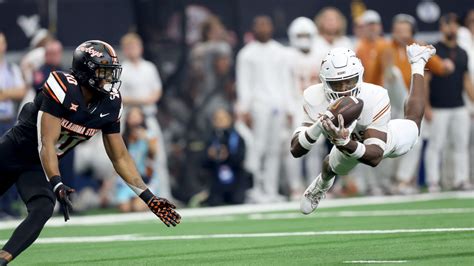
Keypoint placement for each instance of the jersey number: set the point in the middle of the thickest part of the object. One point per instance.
(67, 142)
(71, 79)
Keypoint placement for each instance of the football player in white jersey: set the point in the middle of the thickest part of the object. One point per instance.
(303, 65)
(374, 135)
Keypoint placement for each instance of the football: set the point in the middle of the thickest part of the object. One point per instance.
(349, 106)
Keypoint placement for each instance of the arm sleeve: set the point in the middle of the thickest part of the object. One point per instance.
(112, 128)
(435, 65)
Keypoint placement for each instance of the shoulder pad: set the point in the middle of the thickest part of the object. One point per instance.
(58, 84)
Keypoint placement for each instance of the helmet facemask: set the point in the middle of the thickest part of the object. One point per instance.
(336, 89)
(106, 77)
(341, 74)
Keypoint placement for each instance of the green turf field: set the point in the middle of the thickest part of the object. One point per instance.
(437, 232)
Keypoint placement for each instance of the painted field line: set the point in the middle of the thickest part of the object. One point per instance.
(415, 212)
(127, 238)
(373, 261)
(106, 219)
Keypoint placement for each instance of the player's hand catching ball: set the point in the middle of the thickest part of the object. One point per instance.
(339, 135)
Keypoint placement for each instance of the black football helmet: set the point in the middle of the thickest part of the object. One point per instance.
(95, 64)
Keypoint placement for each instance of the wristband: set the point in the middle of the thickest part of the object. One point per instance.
(55, 182)
(359, 152)
(146, 196)
(418, 68)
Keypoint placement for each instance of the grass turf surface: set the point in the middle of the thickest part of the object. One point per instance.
(423, 248)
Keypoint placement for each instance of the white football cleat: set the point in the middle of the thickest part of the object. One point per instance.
(416, 52)
(313, 195)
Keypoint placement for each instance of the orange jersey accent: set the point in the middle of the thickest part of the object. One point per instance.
(369, 53)
(400, 60)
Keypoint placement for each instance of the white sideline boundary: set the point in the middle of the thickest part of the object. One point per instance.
(373, 261)
(242, 209)
(128, 238)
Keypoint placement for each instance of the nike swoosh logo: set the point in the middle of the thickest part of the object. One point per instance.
(104, 115)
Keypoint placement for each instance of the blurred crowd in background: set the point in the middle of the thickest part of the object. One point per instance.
(222, 135)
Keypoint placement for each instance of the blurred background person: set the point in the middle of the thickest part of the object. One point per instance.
(466, 41)
(395, 77)
(53, 55)
(303, 64)
(262, 90)
(12, 90)
(369, 180)
(225, 159)
(446, 110)
(33, 60)
(332, 25)
(142, 147)
(370, 44)
(141, 86)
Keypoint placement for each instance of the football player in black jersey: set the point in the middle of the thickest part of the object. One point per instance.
(71, 108)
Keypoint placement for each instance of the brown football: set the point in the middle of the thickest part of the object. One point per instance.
(349, 106)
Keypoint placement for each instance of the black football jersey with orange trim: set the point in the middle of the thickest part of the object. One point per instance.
(62, 97)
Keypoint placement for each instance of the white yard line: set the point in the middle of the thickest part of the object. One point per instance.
(275, 216)
(373, 261)
(130, 238)
(242, 209)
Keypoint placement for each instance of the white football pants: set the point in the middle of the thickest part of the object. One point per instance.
(449, 125)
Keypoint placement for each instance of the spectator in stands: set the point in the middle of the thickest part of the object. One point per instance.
(466, 41)
(12, 90)
(262, 91)
(142, 147)
(213, 39)
(332, 25)
(141, 86)
(225, 157)
(32, 60)
(303, 65)
(446, 109)
(52, 62)
(395, 76)
(370, 45)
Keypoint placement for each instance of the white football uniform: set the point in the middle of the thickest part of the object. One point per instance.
(402, 134)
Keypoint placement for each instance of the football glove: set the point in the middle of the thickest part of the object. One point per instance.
(63, 193)
(338, 136)
(162, 208)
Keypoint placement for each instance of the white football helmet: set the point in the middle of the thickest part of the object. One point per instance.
(301, 33)
(341, 64)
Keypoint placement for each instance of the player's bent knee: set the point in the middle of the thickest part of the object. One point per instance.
(40, 209)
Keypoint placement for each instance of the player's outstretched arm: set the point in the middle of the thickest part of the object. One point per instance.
(49, 129)
(304, 138)
(125, 167)
(418, 56)
(370, 152)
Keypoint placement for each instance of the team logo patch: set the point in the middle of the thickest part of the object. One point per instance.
(91, 51)
(74, 107)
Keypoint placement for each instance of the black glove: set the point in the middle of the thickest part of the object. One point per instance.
(162, 208)
(62, 194)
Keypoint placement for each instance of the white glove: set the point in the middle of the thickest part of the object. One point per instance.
(338, 136)
(418, 56)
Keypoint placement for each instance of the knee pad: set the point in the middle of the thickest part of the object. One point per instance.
(40, 209)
